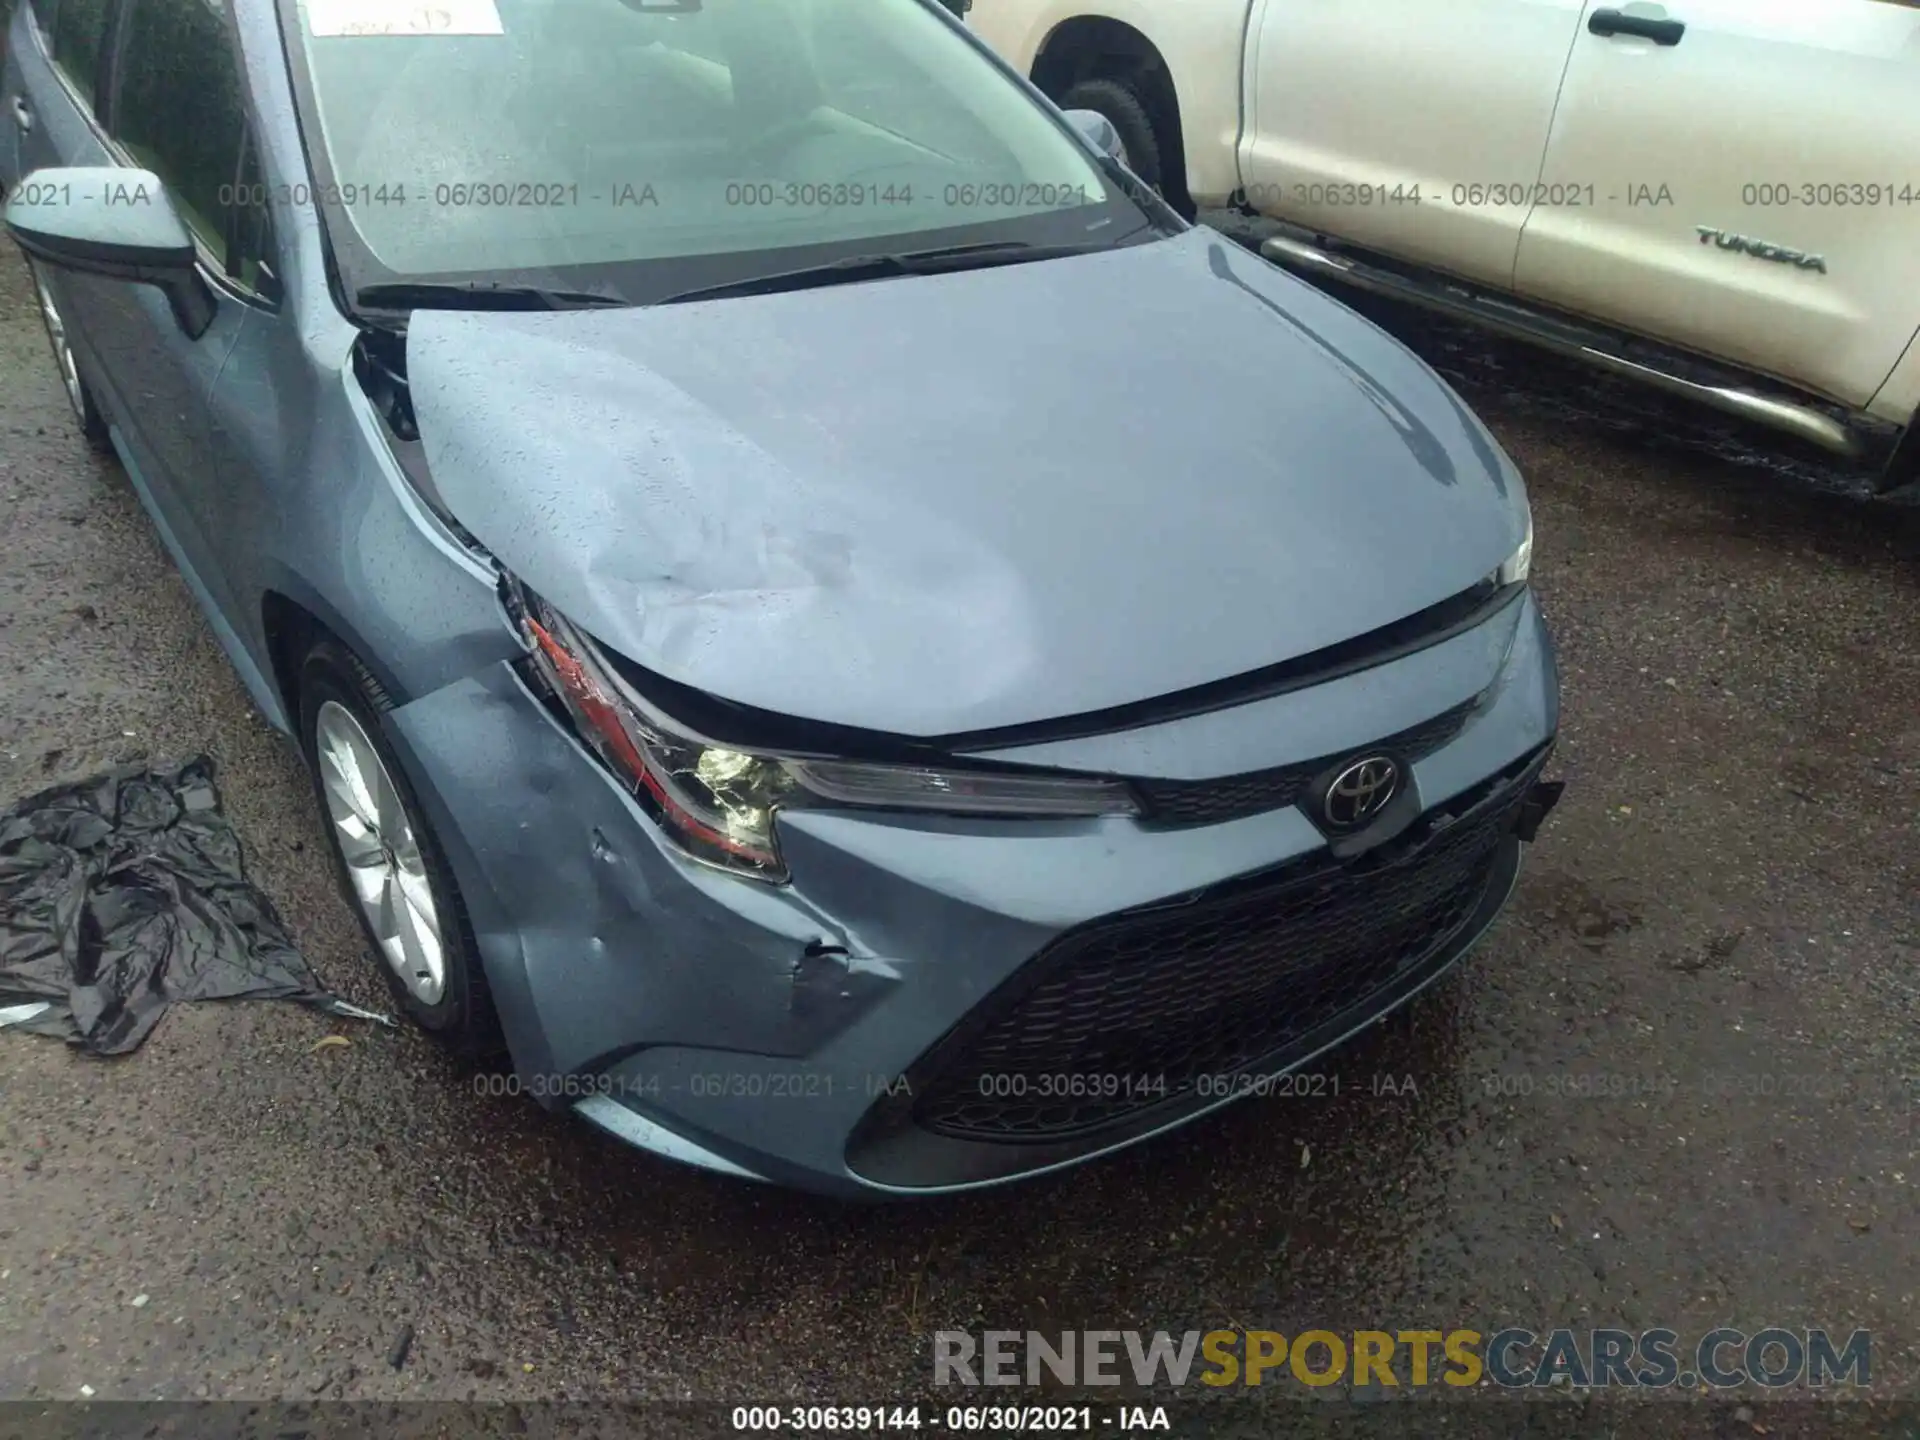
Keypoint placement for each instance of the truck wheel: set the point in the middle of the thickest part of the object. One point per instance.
(1124, 111)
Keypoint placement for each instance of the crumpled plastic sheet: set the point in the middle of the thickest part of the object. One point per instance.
(124, 894)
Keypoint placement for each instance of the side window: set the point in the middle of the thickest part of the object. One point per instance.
(78, 32)
(178, 112)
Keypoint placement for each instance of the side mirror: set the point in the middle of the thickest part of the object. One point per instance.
(114, 222)
(1099, 132)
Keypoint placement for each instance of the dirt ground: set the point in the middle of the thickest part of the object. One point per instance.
(1723, 913)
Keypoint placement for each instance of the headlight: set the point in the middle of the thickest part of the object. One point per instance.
(960, 792)
(1517, 566)
(718, 802)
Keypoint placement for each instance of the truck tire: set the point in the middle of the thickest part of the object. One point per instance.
(1125, 112)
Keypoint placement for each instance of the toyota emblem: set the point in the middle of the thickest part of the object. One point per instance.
(1360, 792)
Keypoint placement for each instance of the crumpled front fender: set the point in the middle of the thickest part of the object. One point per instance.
(597, 936)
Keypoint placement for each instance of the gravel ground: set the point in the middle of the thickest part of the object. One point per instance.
(1722, 914)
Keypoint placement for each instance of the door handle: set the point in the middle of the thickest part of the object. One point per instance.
(1609, 23)
(22, 116)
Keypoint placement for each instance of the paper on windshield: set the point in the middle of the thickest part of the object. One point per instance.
(327, 18)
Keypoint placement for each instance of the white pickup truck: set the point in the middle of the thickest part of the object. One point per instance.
(1721, 199)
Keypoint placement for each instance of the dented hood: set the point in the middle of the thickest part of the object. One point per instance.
(944, 503)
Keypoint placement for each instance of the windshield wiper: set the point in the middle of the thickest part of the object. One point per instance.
(444, 295)
(878, 267)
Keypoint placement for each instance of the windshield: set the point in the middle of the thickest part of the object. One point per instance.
(640, 147)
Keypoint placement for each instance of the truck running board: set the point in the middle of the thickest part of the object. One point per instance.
(1564, 338)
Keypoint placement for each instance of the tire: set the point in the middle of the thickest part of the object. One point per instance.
(86, 411)
(1127, 113)
(459, 1010)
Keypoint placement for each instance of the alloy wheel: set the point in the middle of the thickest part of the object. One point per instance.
(382, 853)
(62, 352)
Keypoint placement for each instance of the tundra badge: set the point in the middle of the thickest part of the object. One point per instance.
(1761, 249)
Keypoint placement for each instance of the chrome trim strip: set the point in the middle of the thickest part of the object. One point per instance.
(1783, 415)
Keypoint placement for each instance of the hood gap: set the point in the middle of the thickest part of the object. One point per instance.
(380, 365)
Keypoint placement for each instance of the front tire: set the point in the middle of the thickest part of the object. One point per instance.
(388, 863)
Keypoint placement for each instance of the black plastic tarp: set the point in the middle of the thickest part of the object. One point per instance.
(124, 894)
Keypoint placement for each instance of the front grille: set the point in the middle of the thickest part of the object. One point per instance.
(1167, 1005)
(1231, 797)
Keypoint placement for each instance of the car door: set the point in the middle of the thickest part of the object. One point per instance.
(1757, 169)
(52, 81)
(12, 87)
(1413, 127)
(176, 108)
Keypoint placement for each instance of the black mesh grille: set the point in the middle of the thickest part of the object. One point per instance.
(1230, 797)
(1166, 1005)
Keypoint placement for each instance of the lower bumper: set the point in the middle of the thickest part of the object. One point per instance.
(1141, 1023)
(904, 1160)
(892, 1152)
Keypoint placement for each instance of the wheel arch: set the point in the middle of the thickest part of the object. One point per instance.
(292, 625)
(1098, 47)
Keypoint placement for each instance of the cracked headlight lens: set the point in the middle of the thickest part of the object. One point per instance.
(718, 802)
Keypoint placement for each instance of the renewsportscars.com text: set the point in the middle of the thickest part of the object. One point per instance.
(1513, 1358)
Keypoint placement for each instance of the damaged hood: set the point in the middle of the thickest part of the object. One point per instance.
(945, 503)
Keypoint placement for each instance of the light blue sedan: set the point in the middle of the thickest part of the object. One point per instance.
(827, 623)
